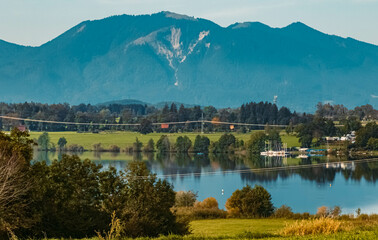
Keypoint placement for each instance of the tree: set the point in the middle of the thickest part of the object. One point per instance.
(145, 126)
(62, 142)
(137, 145)
(15, 184)
(163, 144)
(256, 142)
(185, 199)
(350, 124)
(225, 142)
(372, 144)
(44, 141)
(148, 200)
(150, 147)
(183, 144)
(304, 132)
(13, 188)
(68, 198)
(251, 202)
(201, 144)
(365, 133)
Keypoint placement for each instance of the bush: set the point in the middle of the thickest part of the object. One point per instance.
(323, 212)
(283, 212)
(194, 213)
(372, 144)
(97, 147)
(114, 148)
(335, 212)
(209, 203)
(185, 199)
(75, 148)
(250, 202)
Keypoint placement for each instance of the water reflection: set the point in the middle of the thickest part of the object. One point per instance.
(302, 183)
(321, 170)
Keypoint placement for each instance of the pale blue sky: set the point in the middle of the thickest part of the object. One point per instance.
(34, 22)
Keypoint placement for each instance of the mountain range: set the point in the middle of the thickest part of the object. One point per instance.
(172, 57)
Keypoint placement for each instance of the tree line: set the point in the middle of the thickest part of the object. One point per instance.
(255, 113)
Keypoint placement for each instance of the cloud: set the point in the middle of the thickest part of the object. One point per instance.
(374, 96)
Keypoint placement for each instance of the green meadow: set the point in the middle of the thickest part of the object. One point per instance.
(125, 139)
(258, 229)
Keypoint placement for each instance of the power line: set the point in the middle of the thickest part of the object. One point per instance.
(138, 124)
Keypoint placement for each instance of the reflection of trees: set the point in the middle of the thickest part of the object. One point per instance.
(181, 163)
(366, 170)
(227, 161)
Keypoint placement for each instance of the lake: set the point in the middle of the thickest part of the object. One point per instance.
(304, 183)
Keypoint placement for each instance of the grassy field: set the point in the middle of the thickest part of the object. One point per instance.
(235, 227)
(258, 229)
(124, 139)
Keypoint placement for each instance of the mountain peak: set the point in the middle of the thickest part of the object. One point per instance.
(178, 16)
(299, 26)
(254, 25)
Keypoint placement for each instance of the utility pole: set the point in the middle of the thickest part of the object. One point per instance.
(202, 124)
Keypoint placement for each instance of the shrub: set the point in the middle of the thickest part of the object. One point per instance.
(97, 147)
(194, 213)
(185, 199)
(75, 148)
(335, 212)
(283, 212)
(322, 212)
(363, 217)
(114, 148)
(315, 226)
(209, 203)
(250, 202)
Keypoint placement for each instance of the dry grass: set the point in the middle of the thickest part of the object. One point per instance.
(315, 226)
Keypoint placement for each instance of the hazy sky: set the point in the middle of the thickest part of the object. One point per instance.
(34, 22)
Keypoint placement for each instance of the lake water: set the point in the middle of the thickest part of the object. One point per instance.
(304, 184)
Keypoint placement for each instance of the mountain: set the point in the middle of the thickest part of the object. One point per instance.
(171, 57)
(158, 105)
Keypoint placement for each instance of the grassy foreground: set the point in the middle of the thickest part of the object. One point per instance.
(259, 229)
(124, 139)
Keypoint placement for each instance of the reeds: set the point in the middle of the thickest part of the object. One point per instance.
(315, 226)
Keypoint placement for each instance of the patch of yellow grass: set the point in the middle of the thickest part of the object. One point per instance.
(315, 226)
